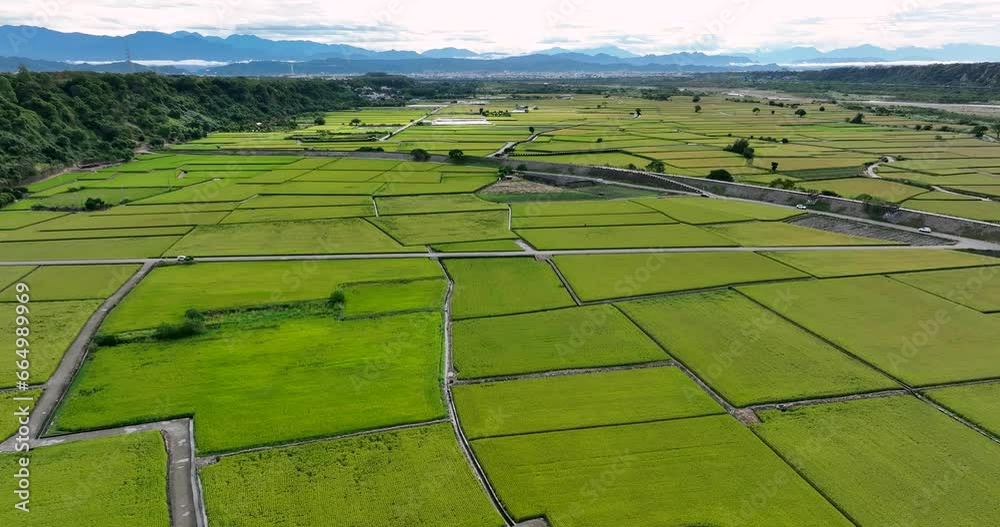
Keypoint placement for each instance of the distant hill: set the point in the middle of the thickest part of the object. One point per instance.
(10, 64)
(868, 53)
(985, 75)
(528, 64)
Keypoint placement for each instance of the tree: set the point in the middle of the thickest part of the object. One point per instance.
(456, 155)
(756, 111)
(696, 98)
(355, 121)
(774, 166)
(772, 112)
(858, 119)
(319, 120)
(721, 175)
(419, 154)
(656, 166)
(800, 112)
(94, 204)
(822, 108)
(742, 147)
(697, 108)
(600, 140)
(531, 130)
(638, 112)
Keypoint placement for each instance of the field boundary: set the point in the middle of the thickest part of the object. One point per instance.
(453, 417)
(565, 373)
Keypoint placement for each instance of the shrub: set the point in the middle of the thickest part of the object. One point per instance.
(656, 166)
(420, 154)
(107, 341)
(337, 298)
(721, 175)
(94, 204)
(522, 167)
(456, 155)
(783, 183)
(188, 328)
(371, 149)
(319, 120)
(858, 119)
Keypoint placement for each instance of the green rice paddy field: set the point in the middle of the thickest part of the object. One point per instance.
(357, 355)
(117, 481)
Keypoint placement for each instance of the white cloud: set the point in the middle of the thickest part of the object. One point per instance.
(641, 26)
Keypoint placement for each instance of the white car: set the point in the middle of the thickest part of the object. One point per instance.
(801, 207)
(925, 230)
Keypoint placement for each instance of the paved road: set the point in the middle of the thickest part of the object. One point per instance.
(183, 490)
(59, 382)
(963, 244)
(414, 123)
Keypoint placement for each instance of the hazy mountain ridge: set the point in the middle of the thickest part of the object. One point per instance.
(44, 44)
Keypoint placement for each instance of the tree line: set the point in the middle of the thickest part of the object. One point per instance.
(57, 119)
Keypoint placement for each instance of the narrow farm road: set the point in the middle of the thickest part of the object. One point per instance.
(60, 380)
(963, 244)
(413, 123)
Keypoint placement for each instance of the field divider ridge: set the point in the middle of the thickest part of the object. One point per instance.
(730, 409)
(456, 424)
(564, 373)
(565, 282)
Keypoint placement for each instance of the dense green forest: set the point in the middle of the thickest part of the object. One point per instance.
(57, 119)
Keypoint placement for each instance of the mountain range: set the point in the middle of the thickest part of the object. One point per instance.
(43, 49)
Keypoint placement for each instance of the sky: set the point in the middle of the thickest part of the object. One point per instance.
(518, 26)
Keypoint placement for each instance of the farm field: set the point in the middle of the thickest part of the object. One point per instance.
(54, 326)
(579, 401)
(10, 275)
(627, 237)
(603, 277)
(116, 481)
(962, 347)
(353, 481)
(701, 211)
(72, 282)
(329, 386)
(778, 234)
(452, 227)
(749, 355)
(376, 298)
(894, 448)
(975, 402)
(541, 474)
(856, 263)
(636, 354)
(345, 236)
(168, 292)
(105, 248)
(561, 339)
(503, 286)
(9, 407)
(978, 288)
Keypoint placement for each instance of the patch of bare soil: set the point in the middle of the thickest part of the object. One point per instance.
(520, 186)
